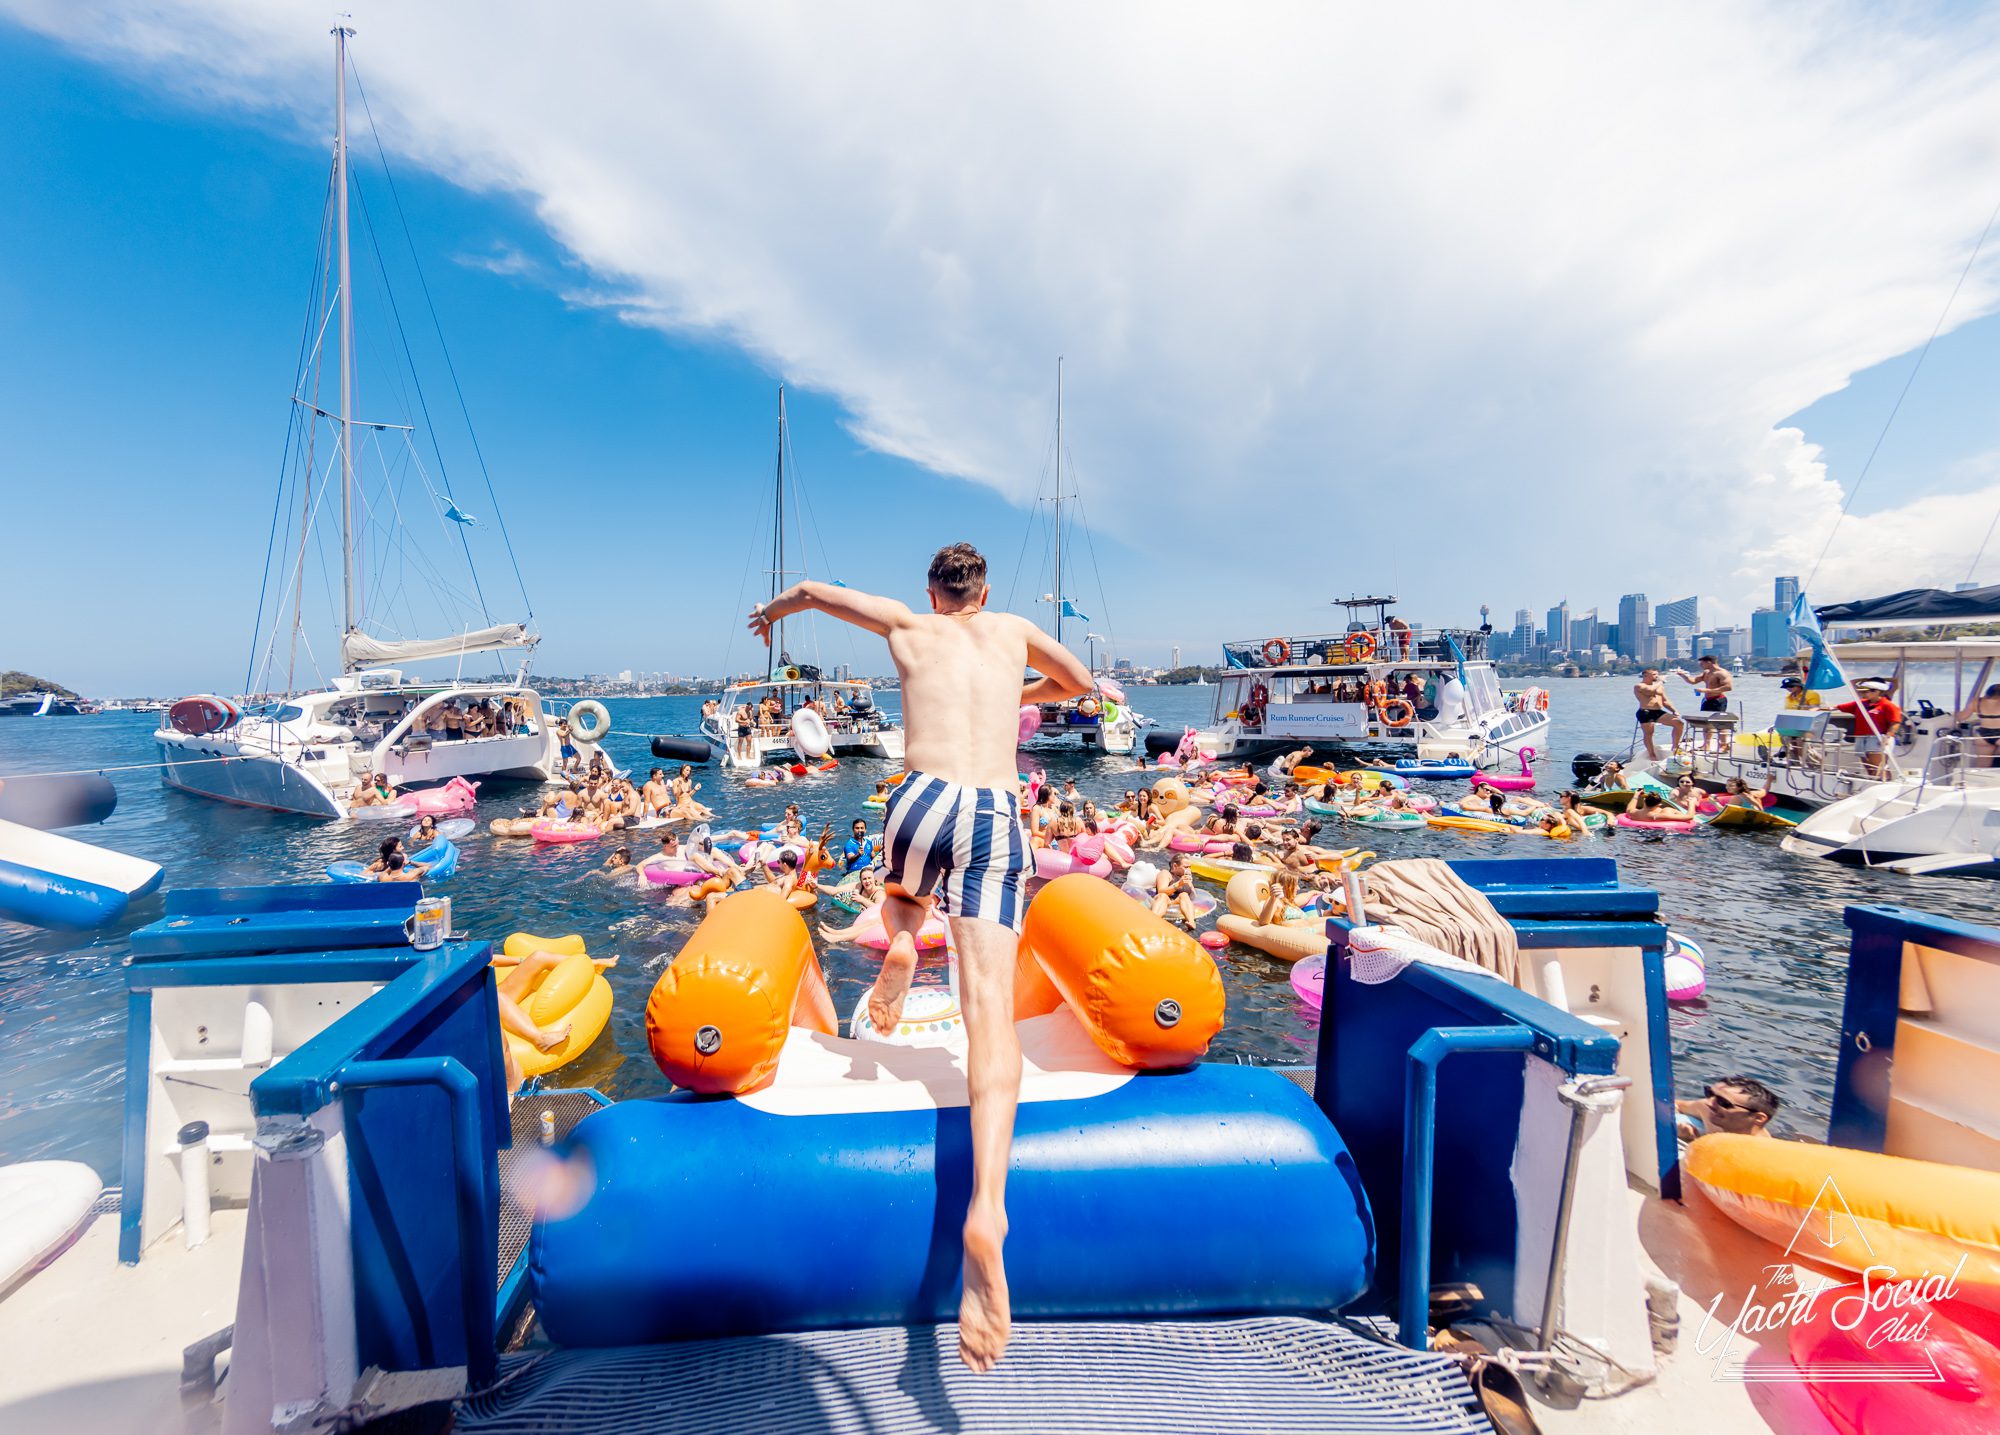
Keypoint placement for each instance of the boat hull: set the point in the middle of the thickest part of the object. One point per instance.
(216, 768)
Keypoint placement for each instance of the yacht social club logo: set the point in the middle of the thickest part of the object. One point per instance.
(1886, 1311)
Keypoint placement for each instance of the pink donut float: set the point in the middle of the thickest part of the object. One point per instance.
(674, 872)
(1050, 863)
(1031, 721)
(871, 933)
(1213, 940)
(1666, 824)
(553, 831)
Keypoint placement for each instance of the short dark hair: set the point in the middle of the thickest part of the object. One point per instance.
(1759, 1097)
(1708, 657)
(958, 572)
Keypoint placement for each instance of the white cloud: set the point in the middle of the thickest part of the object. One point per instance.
(1545, 275)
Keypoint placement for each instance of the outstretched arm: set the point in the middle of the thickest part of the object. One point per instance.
(1062, 675)
(863, 610)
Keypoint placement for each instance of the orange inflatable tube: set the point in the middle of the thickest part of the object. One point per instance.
(1144, 989)
(718, 1017)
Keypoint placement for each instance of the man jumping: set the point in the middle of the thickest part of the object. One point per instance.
(955, 820)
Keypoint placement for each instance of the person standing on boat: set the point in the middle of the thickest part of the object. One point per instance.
(1715, 682)
(955, 822)
(1875, 721)
(1656, 707)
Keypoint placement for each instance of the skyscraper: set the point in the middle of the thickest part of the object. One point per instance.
(1635, 628)
(1559, 626)
(1177, 656)
(1524, 632)
(1681, 613)
(1785, 592)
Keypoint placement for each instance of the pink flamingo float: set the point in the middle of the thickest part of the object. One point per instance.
(1524, 783)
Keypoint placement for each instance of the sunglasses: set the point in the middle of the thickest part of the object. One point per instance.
(1724, 1102)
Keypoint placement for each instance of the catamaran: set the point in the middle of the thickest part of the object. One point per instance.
(754, 721)
(1931, 804)
(1380, 683)
(1101, 719)
(1809, 758)
(308, 752)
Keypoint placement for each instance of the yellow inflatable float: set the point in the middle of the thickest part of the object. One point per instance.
(1917, 1217)
(1289, 941)
(572, 991)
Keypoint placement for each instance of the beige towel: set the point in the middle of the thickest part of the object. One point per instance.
(1427, 899)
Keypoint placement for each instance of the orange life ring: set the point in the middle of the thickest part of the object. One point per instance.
(1541, 700)
(1277, 652)
(1360, 647)
(1389, 710)
(1378, 693)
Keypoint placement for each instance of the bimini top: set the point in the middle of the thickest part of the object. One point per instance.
(1917, 605)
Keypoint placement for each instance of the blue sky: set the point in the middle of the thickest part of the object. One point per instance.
(1246, 465)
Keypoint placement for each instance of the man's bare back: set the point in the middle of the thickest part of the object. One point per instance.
(961, 669)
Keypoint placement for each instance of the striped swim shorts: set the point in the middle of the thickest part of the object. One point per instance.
(968, 837)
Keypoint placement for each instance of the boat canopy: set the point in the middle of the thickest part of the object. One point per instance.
(358, 649)
(1917, 605)
(1970, 650)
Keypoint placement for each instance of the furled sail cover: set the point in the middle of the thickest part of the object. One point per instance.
(1918, 605)
(359, 649)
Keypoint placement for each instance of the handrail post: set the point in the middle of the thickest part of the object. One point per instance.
(1420, 1159)
(461, 1090)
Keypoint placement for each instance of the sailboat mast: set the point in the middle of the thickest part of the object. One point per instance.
(778, 531)
(340, 35)
(1056, 630)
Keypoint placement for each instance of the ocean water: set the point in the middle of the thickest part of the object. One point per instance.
(1770, 923)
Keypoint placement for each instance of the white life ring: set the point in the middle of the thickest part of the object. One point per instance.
(600, 721)
(809, 735)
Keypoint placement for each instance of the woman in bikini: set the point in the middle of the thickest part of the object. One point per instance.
(684, 787)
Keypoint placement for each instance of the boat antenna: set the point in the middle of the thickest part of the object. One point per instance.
(340, 37)
(1056, 625)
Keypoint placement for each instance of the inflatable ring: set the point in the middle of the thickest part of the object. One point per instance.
(1378, 694)
(1277, 652)
(809, 735)
(791, 675)
(1359, 647)
(1088, 707)
(600, 721)
(1109, 711)
(1389, 710)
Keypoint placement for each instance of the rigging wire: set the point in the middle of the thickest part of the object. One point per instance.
(1904, 393)
(423, 404)
(292, 419)
(423, 285)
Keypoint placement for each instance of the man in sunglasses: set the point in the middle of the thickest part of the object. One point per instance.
(1741, 1105)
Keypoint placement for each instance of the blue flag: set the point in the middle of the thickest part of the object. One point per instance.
(1457, 656)
(458, 515)
(1069, 611)
(1825, 672)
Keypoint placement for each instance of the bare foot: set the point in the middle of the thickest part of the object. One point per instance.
(983, 1316)
(552, 1037)
(885, 998)
(604, 964)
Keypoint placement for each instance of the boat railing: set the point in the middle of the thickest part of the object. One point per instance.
(1361, 645)
(1462, 1046)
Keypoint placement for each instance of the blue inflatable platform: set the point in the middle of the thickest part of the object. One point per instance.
(1214, 1190)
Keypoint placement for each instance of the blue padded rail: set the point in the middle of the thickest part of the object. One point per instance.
(1864, 1076)
(234, 921)
(1556, 887)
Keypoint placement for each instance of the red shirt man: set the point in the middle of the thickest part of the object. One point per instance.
(1875, 719)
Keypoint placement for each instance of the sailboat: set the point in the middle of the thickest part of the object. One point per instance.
(1100, 719)
(745, 726)
(310, 752)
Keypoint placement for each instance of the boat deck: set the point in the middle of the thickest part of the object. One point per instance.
(1196, 1376)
